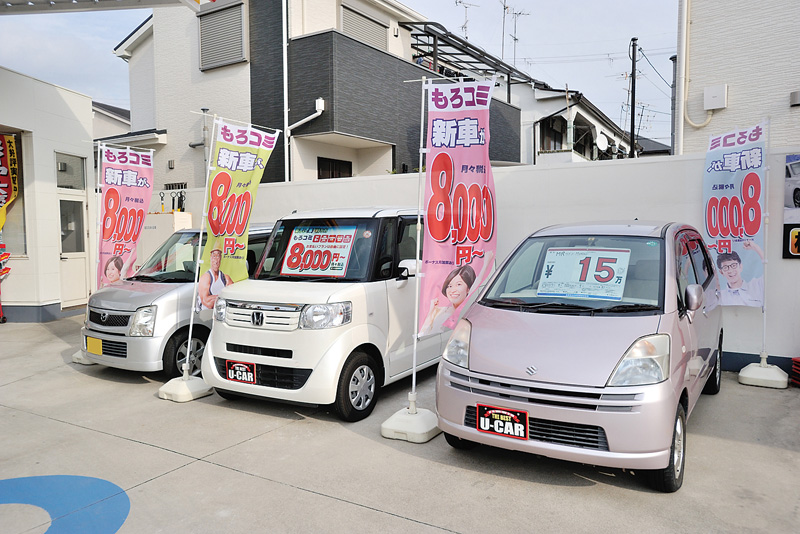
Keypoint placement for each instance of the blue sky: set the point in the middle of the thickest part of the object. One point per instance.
(583, 44)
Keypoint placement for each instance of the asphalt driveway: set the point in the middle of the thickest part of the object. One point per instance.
(96, 446)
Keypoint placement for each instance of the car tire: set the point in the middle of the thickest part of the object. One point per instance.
(175, 353)
(714, 382)
(458, 443)
(227, 395)
(357, 391)
(670, 479)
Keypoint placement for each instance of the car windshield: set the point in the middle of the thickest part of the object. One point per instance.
(173, 261)
(330, 250)
(584, 274)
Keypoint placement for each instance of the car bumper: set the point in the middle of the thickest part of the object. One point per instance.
(123, 352)
(307, 372)
(628, 427)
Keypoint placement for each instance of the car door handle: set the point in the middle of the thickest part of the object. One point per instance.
(63, 258)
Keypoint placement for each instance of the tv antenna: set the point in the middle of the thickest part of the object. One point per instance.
(466, 5)
(516, 15)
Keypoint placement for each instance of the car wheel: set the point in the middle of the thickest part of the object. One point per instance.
(177, 349)
(670, 479)
(357, 391)
(458, 443)
(715, 380)
(796, 198)
(227, 395)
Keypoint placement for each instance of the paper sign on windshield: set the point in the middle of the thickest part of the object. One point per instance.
(319, 251)
(584, 273)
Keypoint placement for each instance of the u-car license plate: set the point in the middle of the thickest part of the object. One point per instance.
(240, 372)
(503, 421)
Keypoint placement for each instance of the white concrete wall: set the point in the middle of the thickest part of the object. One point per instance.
(752, 48)
(106, 126)
(53, 119)
(528, 198)
(142, 82)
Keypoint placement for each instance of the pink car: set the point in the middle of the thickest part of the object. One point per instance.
(591, 343)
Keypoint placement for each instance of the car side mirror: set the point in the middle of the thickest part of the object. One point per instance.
(693, 297)
(407, 268)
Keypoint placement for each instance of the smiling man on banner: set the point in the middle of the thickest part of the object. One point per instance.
(238, 160)
(460, 239)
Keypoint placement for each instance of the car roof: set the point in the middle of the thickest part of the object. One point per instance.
(655, 229)
(356, 213)
(255, 228)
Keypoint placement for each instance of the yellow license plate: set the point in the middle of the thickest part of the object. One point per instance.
(94, 345)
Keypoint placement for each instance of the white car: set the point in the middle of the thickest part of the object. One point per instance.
(329, 316)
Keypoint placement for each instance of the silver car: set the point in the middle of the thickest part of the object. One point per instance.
(142, 323)
(591, 343)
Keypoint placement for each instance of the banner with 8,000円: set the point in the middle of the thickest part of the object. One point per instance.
(459, 209)
(733, 196)
(126, 177)
(239, 156)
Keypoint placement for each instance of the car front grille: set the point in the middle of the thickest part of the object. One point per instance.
(258, 351)
(519, 391)
(265, 316)
(272, 376)
(117, 349)
(110, 319)
(558, 432)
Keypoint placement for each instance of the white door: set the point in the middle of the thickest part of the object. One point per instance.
(74, 259)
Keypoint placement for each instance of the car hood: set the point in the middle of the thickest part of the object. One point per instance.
(577, 350)
(283, 292)
(129, 296)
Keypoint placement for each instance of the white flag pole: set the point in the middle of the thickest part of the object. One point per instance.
(186, 387)
(413, 424)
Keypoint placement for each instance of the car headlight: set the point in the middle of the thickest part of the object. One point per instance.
(317, 316)
(457, 349)
(645, 362)
(143, 322)
(220, 309)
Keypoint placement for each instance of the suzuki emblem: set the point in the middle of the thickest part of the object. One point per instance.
(257, 318)
(531, 370)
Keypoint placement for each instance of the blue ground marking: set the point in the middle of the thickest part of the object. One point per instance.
(75, 504)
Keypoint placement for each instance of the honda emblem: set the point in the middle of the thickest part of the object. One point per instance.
(257, 318)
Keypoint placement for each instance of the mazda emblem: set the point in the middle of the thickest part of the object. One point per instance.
(531, 370)
(257, 318)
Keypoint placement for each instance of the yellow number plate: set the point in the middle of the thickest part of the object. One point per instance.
(94, 345)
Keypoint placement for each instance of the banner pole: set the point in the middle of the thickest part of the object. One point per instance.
(186, 387)
(203, 215)
(411, 424)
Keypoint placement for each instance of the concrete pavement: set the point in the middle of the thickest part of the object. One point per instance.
(212, 465)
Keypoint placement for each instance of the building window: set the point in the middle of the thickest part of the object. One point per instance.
(222, 37)
(333, 168)
(364, 29)
(70, 172)
(551, 133)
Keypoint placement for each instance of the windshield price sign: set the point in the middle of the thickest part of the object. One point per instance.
(585, 273)
(319, 251)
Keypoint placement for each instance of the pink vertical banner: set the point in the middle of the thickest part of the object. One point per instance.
(126, 177)
(459, 208)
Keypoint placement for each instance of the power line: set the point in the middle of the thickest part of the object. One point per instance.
(655, 69)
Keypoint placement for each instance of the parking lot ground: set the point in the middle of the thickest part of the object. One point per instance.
(213, 465)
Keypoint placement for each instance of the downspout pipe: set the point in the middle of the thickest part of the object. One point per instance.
(320, 104)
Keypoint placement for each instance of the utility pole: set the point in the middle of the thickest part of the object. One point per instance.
(503, 34)
(634, 48)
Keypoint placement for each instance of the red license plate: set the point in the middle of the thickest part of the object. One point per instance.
(503, 421)
(240, 372)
